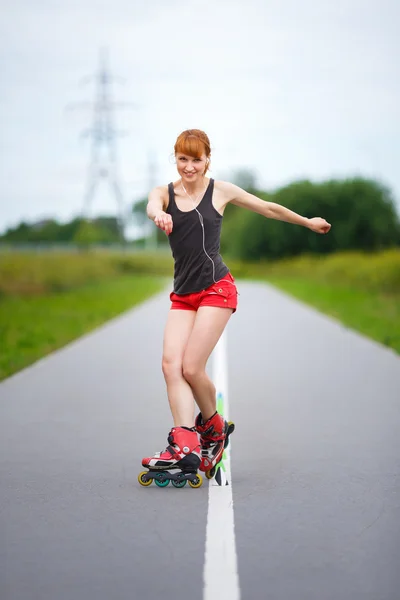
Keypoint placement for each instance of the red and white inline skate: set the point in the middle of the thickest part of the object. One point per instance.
(214, 437)
(183, 454)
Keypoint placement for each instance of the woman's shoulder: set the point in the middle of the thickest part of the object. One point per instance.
(226, 188)
(160, 189)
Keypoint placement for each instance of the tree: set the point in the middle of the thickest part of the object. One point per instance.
(104, 229)
(93, 232)
(361, 211)
(139, 212)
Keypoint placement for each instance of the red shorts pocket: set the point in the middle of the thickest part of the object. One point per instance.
(222, 294)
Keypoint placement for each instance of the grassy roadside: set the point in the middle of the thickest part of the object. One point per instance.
(49, 299)
(370, 313)
(33, 326)
(362, 290)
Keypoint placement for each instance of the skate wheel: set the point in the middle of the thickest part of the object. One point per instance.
(196, 483)
(142, 479)
(178, 484)
(161, 482)
(210, 474)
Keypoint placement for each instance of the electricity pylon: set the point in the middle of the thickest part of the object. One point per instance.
(103, 162)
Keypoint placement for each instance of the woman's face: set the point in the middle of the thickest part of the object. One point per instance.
(190, 168)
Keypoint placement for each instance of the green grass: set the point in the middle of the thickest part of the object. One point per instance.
(49, 299)
(33, 326)
(360, 289)
(30, 274)
(373, 314)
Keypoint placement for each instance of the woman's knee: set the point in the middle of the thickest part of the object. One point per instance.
(192, 371)
(171, 368)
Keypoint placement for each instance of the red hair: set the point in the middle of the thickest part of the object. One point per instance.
(194, 142)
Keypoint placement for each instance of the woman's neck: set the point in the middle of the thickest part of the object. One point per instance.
(193, 189)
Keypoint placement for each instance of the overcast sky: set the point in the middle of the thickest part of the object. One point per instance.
(288, 88)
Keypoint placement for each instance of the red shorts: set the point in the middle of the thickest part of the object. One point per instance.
(222, 294)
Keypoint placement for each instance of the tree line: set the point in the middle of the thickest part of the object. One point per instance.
(362, 213)
(101, 230)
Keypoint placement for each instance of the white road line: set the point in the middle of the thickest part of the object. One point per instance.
(221, 578)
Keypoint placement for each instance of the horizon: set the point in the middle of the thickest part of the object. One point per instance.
(289, 92)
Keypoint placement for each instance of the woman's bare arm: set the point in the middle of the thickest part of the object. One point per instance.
(271, 210)
(156, 206)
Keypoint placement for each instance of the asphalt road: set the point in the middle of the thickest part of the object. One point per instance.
(315, 463)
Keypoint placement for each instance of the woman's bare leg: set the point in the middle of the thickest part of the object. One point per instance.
(208, 327)
(180, 396)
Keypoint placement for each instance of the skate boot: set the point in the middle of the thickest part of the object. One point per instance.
(214, 437)
(181, 455)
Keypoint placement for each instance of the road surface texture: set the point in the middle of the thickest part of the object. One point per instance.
(315, 463)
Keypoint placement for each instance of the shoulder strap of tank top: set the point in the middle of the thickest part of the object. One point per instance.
(171, 195)
(209, 191)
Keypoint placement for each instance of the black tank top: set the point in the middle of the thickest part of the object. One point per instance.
(193, 270)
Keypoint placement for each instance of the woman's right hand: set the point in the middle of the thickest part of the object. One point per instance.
(163, 221)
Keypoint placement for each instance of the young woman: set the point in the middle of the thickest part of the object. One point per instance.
(190, 212)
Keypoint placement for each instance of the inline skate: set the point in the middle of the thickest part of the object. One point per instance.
(214, 437)
(183, 454)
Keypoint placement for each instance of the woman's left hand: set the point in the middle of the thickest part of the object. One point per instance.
(318, 225)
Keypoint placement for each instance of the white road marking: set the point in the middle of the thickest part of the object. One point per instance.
(221, 579)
